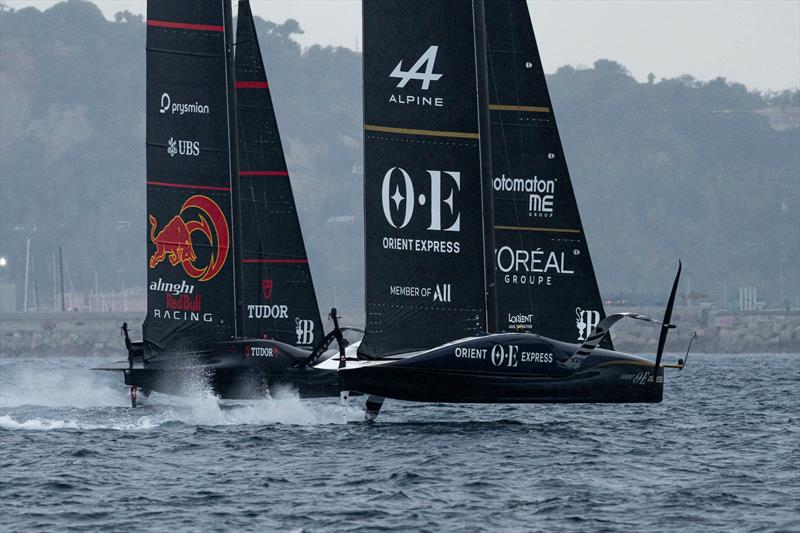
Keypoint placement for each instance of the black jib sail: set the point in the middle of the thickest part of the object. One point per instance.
(278, 294)
(545, 279)
(425, 265)
(191, 270)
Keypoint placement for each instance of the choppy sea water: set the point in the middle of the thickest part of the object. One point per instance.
(722, 452)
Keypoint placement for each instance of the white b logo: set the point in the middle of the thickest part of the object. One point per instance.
(427, 59)
(586, 321)
(304, 329)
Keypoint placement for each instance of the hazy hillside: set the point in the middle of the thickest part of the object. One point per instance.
(668, 169)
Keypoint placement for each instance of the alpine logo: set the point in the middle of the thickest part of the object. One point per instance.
(443, 293)
(586, 320)
(168, 106)
(427, 60)
(304, 329)
(182, 147)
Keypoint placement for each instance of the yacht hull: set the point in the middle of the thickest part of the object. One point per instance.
(236, 370)
(507, 368)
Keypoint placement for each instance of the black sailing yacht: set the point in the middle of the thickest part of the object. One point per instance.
(479, 282)
(230, 295)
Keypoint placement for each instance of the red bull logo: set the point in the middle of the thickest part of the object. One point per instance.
(174, 241)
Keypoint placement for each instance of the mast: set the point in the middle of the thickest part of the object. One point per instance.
(27, 270)
(233, 153)
(487, 207)
(61, 277)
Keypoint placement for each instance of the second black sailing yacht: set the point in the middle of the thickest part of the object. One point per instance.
(479, 283)
(230, 295)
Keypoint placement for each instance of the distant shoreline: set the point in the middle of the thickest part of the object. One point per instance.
(75, 334)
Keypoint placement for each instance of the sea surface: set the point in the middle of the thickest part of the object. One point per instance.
(722, 452)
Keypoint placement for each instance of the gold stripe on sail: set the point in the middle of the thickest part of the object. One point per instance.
(429, 133)
(526, 108)
(544, 230)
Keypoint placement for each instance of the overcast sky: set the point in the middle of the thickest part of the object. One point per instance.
(755, 42)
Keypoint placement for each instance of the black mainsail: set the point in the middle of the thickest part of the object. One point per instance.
(545, 279)
(425, 264)
(278, 293)
(433, 139)
(230, 294)
(472, 104)
(190, 169)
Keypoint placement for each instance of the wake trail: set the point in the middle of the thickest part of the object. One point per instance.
(63, 394)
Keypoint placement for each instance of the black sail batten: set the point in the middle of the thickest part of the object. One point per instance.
(191, 271)
(545, 279)
(279, 301)
(424, 260)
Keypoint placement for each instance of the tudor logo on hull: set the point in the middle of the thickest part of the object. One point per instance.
(423, 71)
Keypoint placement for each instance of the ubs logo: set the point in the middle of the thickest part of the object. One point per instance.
(586, 321)
(399, 202)
(182, 147)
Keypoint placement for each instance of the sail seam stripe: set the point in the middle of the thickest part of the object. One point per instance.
(528, 108)
(180, 53)
(252, 84)
(550, 230)
(263, 173)
(429, 133)
(184, 26)
(301, 261)
(188, 186)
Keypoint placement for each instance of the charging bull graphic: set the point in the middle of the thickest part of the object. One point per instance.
(175, 239)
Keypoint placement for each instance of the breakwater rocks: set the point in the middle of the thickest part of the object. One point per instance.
(68, 333)
(717, 331)
(98, 334)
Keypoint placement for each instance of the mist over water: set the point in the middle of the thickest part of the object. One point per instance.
(720, 453)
